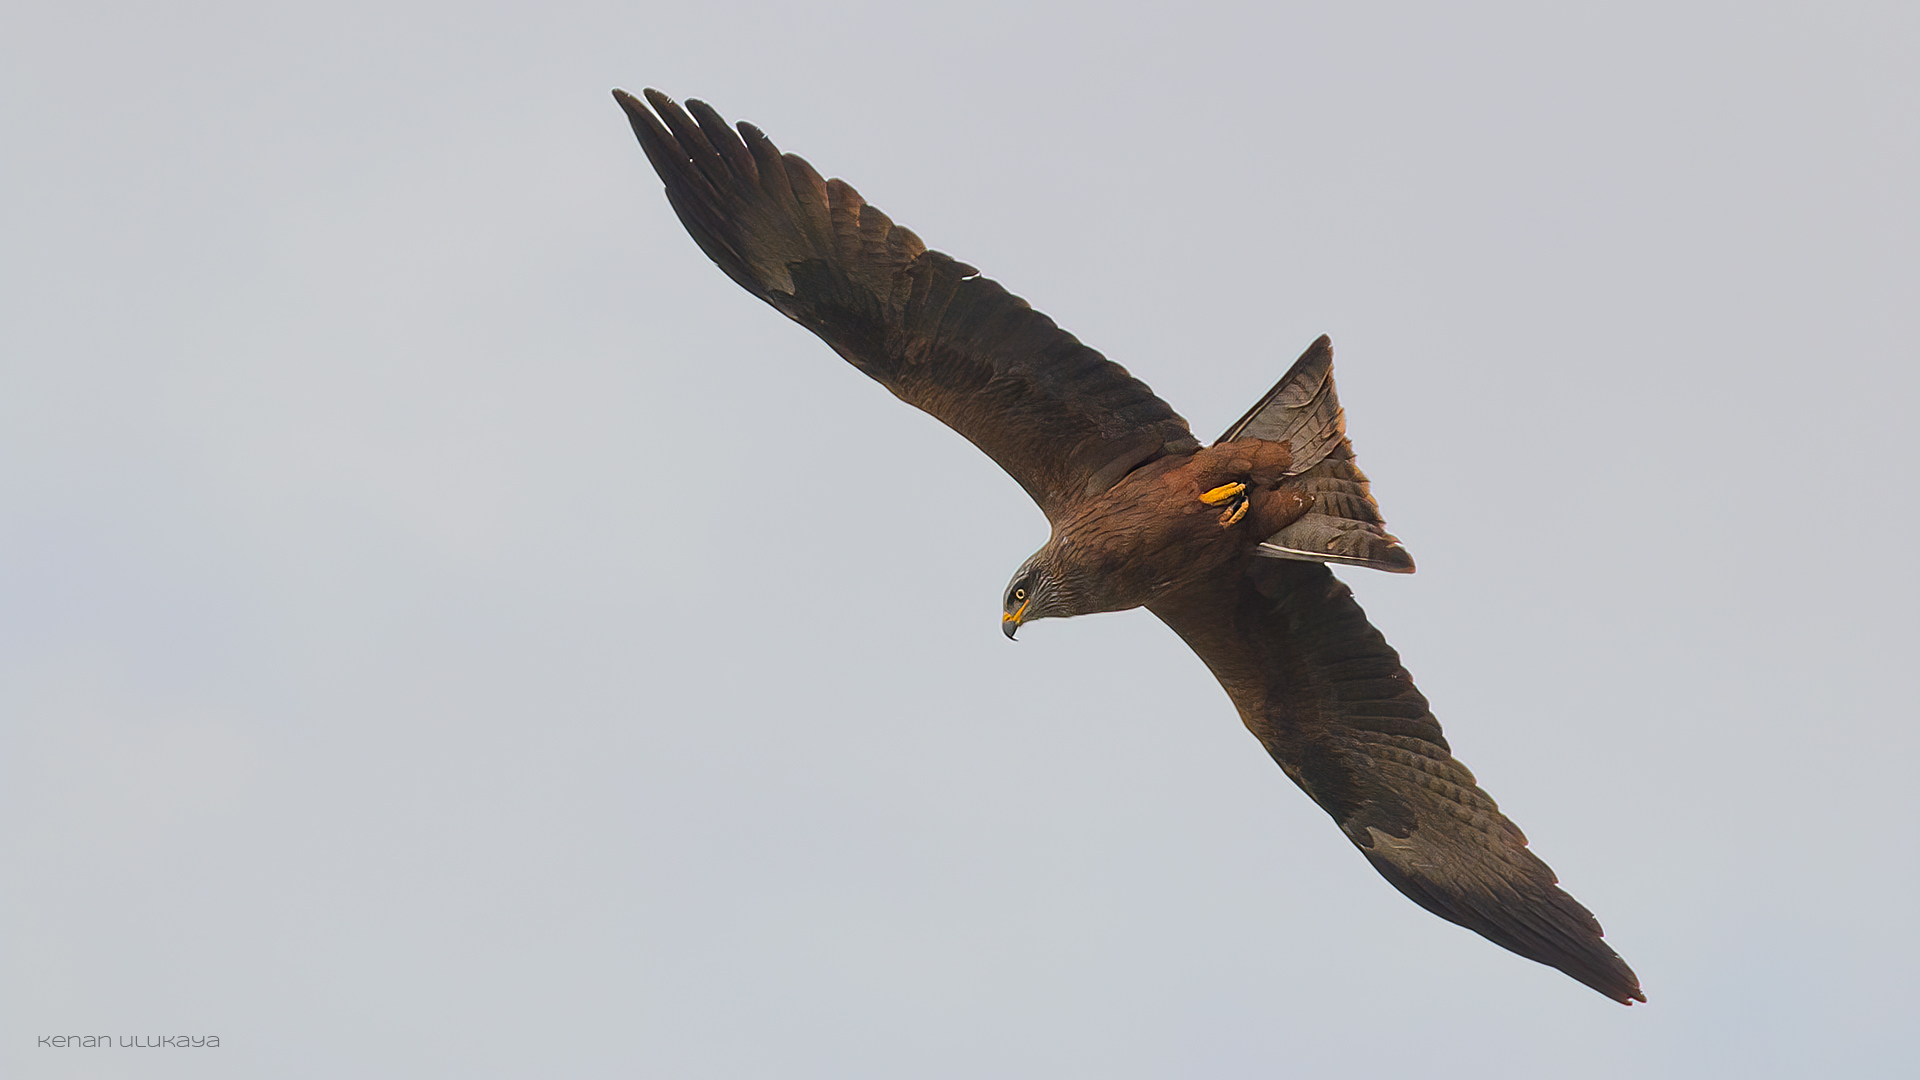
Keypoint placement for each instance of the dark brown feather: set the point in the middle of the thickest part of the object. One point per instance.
(1328, 698)
(1312, 679)
(1061, 419)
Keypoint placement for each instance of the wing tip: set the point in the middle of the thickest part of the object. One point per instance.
(1536, 920)
(1602, 970)
(1621, 986)
(629, 101)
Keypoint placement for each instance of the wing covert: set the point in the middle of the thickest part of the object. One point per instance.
(1060, 418)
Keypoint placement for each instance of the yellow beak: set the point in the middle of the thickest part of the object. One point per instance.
(1010, 621)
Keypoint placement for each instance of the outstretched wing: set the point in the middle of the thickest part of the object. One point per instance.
(1066, 422)
(1326, 695)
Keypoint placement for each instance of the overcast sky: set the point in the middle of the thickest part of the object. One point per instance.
(448, 629)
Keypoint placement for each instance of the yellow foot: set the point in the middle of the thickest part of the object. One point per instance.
(1222, 494)
(1238, 511)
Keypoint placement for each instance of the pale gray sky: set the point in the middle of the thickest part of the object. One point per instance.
(447, 628)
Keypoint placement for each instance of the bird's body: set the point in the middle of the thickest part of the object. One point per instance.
(1153, 536)
(1227, 544)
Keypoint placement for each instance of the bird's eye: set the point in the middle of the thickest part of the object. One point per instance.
(1019, 596)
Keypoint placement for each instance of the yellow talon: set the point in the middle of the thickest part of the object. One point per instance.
(1222, 494)
(1227, 519)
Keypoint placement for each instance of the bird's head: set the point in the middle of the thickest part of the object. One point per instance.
(1036, 592)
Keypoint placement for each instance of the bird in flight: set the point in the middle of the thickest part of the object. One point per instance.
(1228, 544)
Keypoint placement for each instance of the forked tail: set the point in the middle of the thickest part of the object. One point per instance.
(1344, 526)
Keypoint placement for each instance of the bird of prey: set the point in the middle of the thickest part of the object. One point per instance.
(1227, 544)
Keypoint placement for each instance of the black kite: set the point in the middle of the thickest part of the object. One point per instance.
(1227, 544)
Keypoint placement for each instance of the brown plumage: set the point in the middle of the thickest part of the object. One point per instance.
(1227, 544)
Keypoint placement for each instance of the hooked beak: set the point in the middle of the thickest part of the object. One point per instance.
(1010, 620)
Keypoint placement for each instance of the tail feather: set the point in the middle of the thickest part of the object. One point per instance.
(1344, 526)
